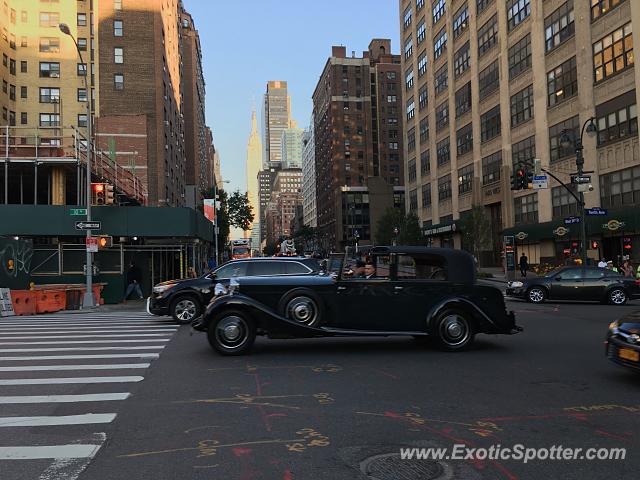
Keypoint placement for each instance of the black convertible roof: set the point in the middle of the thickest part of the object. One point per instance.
(460, 264)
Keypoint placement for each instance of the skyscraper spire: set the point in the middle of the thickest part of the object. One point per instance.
(254, 164)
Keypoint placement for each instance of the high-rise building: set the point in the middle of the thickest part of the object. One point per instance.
(276, 118)
(253, 166)
(469, 77)
(286, 196)
(266, 178)
(309, 177)
(358, 136)
(291, 147)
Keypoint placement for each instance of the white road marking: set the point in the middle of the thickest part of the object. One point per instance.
(41, 368)
(71, 380)
(70, 342)
(95, 397)
(70, 349)
(67, 326)
(81, 357)
(84, 330)
(40, 337)
(55, 451)
(88, 418)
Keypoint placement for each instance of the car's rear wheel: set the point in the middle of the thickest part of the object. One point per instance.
(185, 309)
(453, 330)
(302, 306)
(536, 295)
(617, 296)
(232, 333)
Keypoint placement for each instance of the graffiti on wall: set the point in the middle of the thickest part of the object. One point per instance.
(15, 261)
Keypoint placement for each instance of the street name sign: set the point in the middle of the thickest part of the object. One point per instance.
(82, 212)
(596, 211)
(84, 225)
(571, 220)
(540, 182)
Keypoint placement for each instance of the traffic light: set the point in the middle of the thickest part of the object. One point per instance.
(528, 179)
(98, 191)
(595, 245)
(109, 195)
(626, 245)
(520, 180)
(105, 241)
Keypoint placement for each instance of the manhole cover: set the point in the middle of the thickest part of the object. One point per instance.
(390, 467)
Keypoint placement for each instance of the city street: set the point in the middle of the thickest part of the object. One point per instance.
(303, 409)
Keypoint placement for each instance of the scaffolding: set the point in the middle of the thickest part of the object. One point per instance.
(56, 146)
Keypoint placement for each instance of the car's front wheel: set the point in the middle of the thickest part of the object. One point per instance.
(232, 333)
(185, 309)
(536, 295)
(302, 306)
(617, 296)
(453, 330)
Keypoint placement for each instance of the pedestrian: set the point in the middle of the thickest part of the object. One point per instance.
(191, 273)
(602, 263)
(134, 276)
(638, 272)
(524, 265)
(627, 269)
(211, 263)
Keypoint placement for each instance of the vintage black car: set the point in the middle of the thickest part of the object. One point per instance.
(623, 341)
(186, 299)
(415, 291)
(576, 283)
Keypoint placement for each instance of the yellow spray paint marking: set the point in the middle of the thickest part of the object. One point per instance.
(325, 368)
(263, 400)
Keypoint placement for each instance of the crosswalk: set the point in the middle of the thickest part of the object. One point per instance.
(62, 380)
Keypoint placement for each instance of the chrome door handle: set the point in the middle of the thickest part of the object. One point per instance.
(341, 288)
(397, 289)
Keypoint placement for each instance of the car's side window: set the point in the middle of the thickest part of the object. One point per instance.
(421, 268)
(265, 268)
(593, 274)
(406, 267)
(233, 270)
(295, 268)
(571, 274)
(382, 264)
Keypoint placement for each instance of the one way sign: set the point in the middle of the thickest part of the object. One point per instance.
(88, 225)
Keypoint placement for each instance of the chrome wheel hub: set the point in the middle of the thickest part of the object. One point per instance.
(536, 295)
(185, 310)
(232, 331)
(454, 329)
(303, 310)
(618, 297)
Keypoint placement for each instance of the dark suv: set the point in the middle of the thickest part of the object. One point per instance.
(185, 299)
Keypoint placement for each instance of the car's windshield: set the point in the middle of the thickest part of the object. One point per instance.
(240, 250)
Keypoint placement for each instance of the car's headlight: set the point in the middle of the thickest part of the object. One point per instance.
(163, 288)
(613, 327)
(516, 284)
(219, 289)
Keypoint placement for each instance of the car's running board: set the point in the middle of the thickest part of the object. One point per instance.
(377, 333)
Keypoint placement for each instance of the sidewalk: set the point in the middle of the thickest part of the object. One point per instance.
(498, 274)
(129, 306)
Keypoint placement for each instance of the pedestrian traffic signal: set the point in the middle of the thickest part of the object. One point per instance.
(109, 194)
(98, 193)
(529, 180)
(105, 241)
(520, 179)
(595, 245)
(626, 245)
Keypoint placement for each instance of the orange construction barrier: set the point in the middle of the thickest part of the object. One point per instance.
(49, 301)
(24, 302)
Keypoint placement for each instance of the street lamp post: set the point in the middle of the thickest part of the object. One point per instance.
(88, 301)
(395, 236)
(566, 142)
(216, 228)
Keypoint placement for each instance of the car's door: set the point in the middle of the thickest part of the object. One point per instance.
(566, 284)
(593, 284)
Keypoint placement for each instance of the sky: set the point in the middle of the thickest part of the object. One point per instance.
(247, 43)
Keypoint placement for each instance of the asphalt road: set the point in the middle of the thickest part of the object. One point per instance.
(334, 408)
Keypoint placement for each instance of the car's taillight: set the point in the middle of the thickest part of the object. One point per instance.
(637, 282)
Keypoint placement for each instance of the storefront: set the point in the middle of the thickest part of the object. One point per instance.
(446, 235)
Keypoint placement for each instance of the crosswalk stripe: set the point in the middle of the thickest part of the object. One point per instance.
(70, 349)
(60, 337)
(90, 325)
(79, 357)
(42, 332)
(55, 451)
(71, 380)
(108, 366)
(93, 397)
(88, 418)
(65, 342)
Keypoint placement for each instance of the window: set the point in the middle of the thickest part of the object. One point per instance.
(411, 167)
(49, 95)
(50, 44)
(5, 60)
(407, 17)
(482, 4)
(5, 86)
(421, 32)
(118, 81)
(422, 97)
(422, 63)
(620, 188)
(489, 80)
(118, 55)
(461, 60)
(440, 43)
(24, 16)
(23, 92)
(438, 9)
(563, 203)
(526, 209)
(391, 99)
(82, 19)
(411, 108)
(81, 69)
(426, 195)
(23, 41)
(82, 44)
(49, 120)
(49, 19)
(12, 92)
(559, 26)
(517, 12)
(391, 75)
(413, 200)
(465, 179)
(5, 113)
(82, 95)
(82, 120)
(408, 48)
(440, 79)
(419, 4)
(12, 66)
(442, 115)
(463, 100)
(488, 35)
(556, 150)
(520, 57)
(613, 53)
(117, 4)
(424, 129)
(523, 151)
(408, 78)
(562, 82)
(12, 118)
(522, 106)
(23, 118)
(295, 268)
(425, 163)
(117, 28)
(411, 140)
(464, 139)
(490, 124)
(443, 153)
(460, 21)
(617, 119)
(491, 168)
(444, 188)
(393, 145)
(49, 69)
(601, 7)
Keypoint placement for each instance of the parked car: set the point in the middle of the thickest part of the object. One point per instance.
(576, 283)
(186, 299)
(415, 291)
(623, 341)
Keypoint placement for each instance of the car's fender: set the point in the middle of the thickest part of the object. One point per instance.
(484, 323)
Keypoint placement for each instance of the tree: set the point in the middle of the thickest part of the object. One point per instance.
(408, 228)
(240, 211)
(270, 249)
(476, 230)
(222, 216)
(305, 238)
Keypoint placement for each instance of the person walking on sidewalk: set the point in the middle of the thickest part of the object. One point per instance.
(134, 276)
(524, 265)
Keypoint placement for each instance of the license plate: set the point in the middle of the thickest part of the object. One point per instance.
(629, 354)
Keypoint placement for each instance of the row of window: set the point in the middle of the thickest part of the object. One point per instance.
(46, 120)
